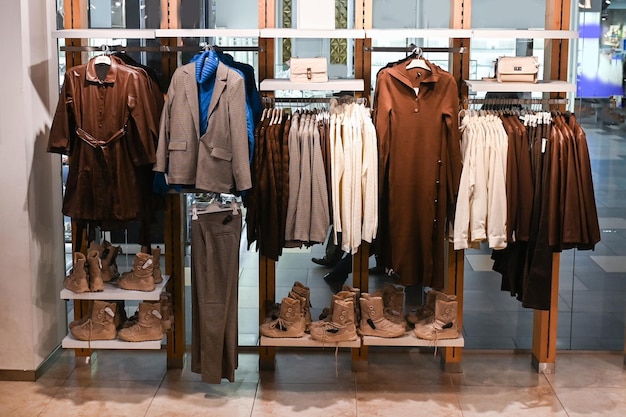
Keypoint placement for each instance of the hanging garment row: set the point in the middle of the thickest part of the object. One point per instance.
(107, 121)
(313, 167)
(526, 188)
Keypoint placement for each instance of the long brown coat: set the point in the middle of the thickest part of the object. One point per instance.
(419, 169)
(109, 128)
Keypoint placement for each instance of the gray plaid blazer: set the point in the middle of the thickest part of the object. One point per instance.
(218, 161)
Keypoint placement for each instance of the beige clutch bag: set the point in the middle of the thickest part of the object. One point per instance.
(313, 70)
(517, 69)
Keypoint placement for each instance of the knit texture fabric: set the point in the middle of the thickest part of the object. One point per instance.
(206, 67)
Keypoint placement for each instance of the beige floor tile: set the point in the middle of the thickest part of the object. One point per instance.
(426, 401)
(111, 365)
(538, 401)
(311, 367)
(190, 399)
(247, 371)
(101, 398)
(401, 367)
(589, 370)
(497, 370)
(593, 402)
(611, 263)
(480, 262)
(305, 400)
(26, 399)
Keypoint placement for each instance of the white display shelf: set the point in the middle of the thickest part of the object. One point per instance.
(70, 343)
(275, 84)
(104, 33)
(311, 33)
(409, 339)
(195, 33)
(113, 292)
(539, 87)
(305, 341)
(471, 33)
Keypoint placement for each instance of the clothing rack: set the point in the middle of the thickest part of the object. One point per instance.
(162, 48)
(271, 101)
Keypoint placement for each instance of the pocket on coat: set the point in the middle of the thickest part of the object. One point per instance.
(177, 145)
(221, 153)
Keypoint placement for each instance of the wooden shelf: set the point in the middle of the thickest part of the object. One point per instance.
(206, 33)
(409, 339)
(540, 87)
(113, 292)
(104, 33)
(275, 84)
(70, 343)
(305, 341)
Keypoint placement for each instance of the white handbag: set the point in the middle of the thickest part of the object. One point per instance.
(308, 70)
(517, 69)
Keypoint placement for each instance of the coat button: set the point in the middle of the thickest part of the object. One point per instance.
(439, 162)
(416, 110)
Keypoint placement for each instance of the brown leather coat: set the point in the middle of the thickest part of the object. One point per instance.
(419, 169)
(109, 130)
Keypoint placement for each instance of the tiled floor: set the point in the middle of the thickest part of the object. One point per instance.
(318, 383)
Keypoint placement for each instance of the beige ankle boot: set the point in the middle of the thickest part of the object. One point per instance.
(77, 281)
(442, 325)
(95, 271)
(428, 309)
(140, 277)
(373, 321)
(290, 322)
(340, 328)
(148, 326)
(99, 326)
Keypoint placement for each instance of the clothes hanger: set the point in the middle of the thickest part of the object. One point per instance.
(214, 207)
(104, 59)
(417, 62)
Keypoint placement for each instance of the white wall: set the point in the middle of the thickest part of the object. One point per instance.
(32, 319)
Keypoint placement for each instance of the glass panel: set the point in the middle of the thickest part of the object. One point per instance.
(124, 14)
(511, 14)
(420, 14)
(211, 14)
(595, 312)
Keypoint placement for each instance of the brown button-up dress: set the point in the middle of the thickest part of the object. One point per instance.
(109, 128)
(419, 169)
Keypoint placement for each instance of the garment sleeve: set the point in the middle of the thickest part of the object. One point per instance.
(63, 123)
(164, 128)
(497, 203)
(370, 180)
(454, 164)
(462, 215)
(239, 134)
(382, 121)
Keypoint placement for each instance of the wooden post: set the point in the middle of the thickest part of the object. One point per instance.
(175, 233)
(360, 279)
(451, 356)
(556, 62)
(267, 297)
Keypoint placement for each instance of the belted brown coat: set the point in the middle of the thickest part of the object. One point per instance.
(109, 128)
(419, 169)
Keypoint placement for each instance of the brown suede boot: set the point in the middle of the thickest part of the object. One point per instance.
(156, 265)
(77, 281)
(442, 325)
(148, 327)
(95, 271)
(109, 263)
(99, 326)
(140, 277)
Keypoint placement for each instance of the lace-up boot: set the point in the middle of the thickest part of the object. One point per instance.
(340, 328)
(290, 322)
(77, 281)
(99, 326)
(148, 326)
(373, 321)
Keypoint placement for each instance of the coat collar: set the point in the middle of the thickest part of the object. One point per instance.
(405, 76)
(111, 76)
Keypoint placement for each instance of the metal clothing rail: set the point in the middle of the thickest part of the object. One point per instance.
(514, 101)
(271, 101)
(163, 48)
(412, 47)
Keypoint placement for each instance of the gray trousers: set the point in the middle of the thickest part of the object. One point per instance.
(214, 288)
